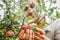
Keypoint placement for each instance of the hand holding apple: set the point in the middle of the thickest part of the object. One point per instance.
(28, 34)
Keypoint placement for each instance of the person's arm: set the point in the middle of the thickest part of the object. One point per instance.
(57, 30)
(57, 34)
(54, 30)
(39, 34)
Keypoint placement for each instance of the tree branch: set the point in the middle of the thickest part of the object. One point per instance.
(23, 22)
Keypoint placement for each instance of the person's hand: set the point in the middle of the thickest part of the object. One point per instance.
(25, 35)
(28, 34)
(39, 34)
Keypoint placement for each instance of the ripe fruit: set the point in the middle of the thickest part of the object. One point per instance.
(9, 33)
(25, 27)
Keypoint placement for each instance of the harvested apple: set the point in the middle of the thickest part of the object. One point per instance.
(25, 27)
(9, 33)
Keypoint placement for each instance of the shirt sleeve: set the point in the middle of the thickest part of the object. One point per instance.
(57, 34)
(54, 30)
(57, 31)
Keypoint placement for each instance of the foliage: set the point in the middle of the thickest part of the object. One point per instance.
(15, 16)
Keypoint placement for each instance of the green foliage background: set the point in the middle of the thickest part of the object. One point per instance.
(16, 14)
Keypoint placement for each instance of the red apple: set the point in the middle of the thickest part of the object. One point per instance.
(9, 33)
(25, 27)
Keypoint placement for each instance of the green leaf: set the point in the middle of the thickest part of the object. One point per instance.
(40, 27)
(38, 1)
(43, 5)
(38, 9)
(54, 1)
(57, 14)
(29, 18)
(44, 23)
(1, 5)
(34, 29)
(51, 12)
(0, 30)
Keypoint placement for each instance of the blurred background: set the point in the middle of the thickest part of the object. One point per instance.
(50, 5)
